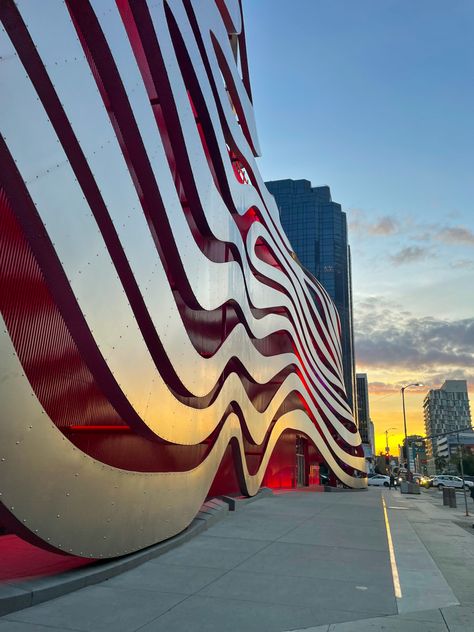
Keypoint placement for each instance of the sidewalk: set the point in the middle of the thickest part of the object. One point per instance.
(293, 561)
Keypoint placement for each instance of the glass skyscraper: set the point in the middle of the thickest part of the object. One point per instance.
(317, 229)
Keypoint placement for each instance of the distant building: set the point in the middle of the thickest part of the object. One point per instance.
(449, 446)
(372, 435)
(363, 411)
(445, 409)
(366, 425)
(416, 453)
(317, 229)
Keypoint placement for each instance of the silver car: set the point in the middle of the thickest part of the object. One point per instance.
(444, 480)
(379, 480)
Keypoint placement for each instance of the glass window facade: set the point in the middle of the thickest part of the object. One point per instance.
(317, 229)
(446, 409)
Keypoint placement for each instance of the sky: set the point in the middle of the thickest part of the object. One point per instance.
(375, 98)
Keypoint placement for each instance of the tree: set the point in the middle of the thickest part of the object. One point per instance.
(467, 461)
(468, 464)
(440, 463)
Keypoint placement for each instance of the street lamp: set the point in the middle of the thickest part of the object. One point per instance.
(405, 425)
(387, 448)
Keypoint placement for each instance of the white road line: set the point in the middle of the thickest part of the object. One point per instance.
(393, 561)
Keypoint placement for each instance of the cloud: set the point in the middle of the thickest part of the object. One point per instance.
(467, 264)
(384, 226)
(390, 340)
(410, 254)
(363, 225)
(381, 226)
(383, 388)
(455, 235)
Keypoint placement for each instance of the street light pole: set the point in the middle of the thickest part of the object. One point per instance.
(387, 447)
(405, 426)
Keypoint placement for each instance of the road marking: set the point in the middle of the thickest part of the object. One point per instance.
(393, 562)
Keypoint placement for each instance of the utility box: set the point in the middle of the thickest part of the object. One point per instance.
(445, 491)
(449, 497)
(409, 488)
(452, 497)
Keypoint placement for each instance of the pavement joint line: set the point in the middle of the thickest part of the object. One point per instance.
(213, 581)
(233, 569)
(217, 579)
(34, 626)
(444, 619)
(393, 562)
(160, 615)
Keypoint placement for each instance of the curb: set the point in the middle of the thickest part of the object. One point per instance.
(238, 502)
(327, 488)
(17, 595)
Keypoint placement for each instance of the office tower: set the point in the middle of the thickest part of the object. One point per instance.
(372, 436)
(317, 229)
(363, 412)
(445, 409)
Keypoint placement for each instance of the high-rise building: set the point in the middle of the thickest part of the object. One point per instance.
(363, 411)
(445, 409)
(317, 229)
(372, 435)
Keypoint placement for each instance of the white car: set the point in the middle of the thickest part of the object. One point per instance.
(443, 480)
(379, 480)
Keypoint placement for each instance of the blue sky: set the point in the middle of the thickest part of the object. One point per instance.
(376, 99)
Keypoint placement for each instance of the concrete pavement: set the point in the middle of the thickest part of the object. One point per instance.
(293, 561)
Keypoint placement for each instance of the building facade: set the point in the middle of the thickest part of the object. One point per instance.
(372, 436)
(159, 344)
(451, 444)
(416, 453)
(317, 229)
(365, 424)
(445, 409)
(363, 409)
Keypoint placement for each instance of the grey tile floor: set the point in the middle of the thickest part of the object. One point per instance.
(292, 561)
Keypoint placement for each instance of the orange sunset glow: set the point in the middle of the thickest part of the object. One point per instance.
(397, 343)
(386, 407)
(386, 413)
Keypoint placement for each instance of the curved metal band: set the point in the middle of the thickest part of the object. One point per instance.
(84, 509)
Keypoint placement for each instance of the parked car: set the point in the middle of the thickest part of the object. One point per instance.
(416, 477)
(429, 481)
(445, 480)
(379, 480)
